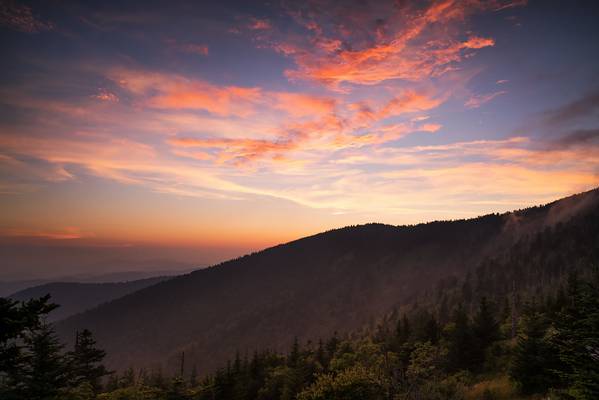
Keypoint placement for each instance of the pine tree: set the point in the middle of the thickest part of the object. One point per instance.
(16, 320)
(332, 345)
(577, 338)
(431, 330)
(485, 331)
(406, 330)
(44, 367)
(293, 358)
(459, 341)
(319, 356)
(193, 376)
(86, 361)
(534, 359)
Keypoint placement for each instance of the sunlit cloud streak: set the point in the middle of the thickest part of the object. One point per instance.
(478, 100)
(373, 114)
(412, 44)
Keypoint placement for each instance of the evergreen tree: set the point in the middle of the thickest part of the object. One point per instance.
(332, 345)
(459, 341)
(406, 330)
(293, 358)
(193, 376)
(485, 331)
(86, 361)
(44, 367)
(534, 359)
(320, 356)
(577, 338)
(17, 319)
(431, 330)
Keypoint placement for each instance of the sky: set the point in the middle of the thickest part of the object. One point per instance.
(219, 128)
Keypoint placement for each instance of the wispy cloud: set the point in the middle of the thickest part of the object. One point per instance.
(478, 100)
(67, 233)
(383, 43)
(356, 125)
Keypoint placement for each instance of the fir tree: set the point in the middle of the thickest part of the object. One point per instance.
(86, 361)
(534, 358)
(44, 366)
(459, 341)
(16, 320)
(577, 338)
(485, 331)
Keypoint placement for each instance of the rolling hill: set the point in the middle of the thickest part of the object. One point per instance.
(333, 281)
(74, 297)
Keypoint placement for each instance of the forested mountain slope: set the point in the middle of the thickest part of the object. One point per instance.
(334, 281)
(75, 297)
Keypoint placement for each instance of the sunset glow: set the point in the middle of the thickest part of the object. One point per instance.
(241, 126)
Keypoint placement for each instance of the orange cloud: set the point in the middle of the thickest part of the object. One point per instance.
(408, 102)
(238, 151)
(221, 101)
(477, 43)
(301, 105)
(419, 44)
(176, 92)
(69, 232)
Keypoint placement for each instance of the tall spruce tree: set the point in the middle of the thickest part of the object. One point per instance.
(45, 369)
(577, 338)
(16, 320)
(534, 359)
(86, 361)
(459, 341)
(485, 330)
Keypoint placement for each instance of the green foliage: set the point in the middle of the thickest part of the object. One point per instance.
(34, 365)
(356, 383)
(534, 357)
(86, 361)
(576, 338)
(44, 370)
(17, 320)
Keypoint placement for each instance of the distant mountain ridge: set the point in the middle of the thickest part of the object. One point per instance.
(311, 287)
(10, 287)
(76, 297)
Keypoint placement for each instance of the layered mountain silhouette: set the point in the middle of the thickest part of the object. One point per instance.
(334, 281)
(75, 297)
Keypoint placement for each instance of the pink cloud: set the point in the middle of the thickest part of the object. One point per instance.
(105, 95)
(260, 24)
(414, 44)
(478, 100)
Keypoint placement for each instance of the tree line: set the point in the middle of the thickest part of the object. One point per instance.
(33, 363)
(471, 353)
